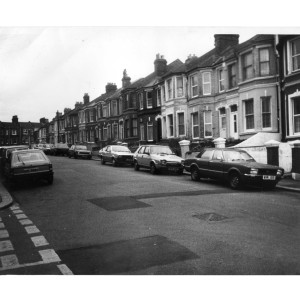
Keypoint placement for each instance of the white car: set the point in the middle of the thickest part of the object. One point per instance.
(116, 154)
(157, 158)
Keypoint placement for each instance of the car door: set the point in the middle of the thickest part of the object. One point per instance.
(215, 165)
(139, 155)
(202, 160)
(146, 158)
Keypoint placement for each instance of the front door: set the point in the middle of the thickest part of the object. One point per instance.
(234, 125)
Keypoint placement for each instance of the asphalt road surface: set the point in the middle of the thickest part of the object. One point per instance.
(104, 220)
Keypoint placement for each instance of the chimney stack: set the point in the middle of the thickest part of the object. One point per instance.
(222, 41)
(110, 87)
(160, 65)
(15, 119)
(86, 98)
(126, 79)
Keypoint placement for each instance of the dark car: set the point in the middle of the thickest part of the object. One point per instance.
(6, 150)
(59, 149)
(234, 166)
(78, 151)
(47, 148)
(116, 154)
(157, 158)
(28, 164)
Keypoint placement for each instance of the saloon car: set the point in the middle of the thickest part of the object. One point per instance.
(234, 166)
(59, 149)
(157, 158)
(116, 155)
(28, 164)
(78, 151)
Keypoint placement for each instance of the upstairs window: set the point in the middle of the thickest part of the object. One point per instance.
(232, 76)
(249, 114)
(295, 47)
(114, 108)
(104, 110)
(13, 132)
(194, 85)
(296, 115)
(141, 104)
(149, 99)
(247, 65)
(169, 89)
(206, 83)
(266, 112)
(264, 62)
(221, 80)
(158, 96)
(133, 101)
(179, 86)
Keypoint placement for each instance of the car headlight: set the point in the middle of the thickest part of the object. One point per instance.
(253, 171)
(279, 172)
(163, 162)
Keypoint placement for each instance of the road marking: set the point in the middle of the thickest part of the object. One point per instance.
(1, 224)
(6, 246)
(9, 261)
(49, 255)
(25, 222)
(4, 234)
(39, 241)
(18, 211)
(13, 207)
(21, 216)
(31, 229)
(65, 270)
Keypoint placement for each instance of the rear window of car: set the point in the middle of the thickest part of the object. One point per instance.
(120, 149)
(207, 154)
(81, 147)
(27, 157)
(62, 146)
(161, 150)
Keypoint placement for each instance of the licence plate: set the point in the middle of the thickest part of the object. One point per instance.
(267, 177)
(172, 169)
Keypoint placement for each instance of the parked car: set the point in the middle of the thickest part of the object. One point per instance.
(157, 158)
(28, 164)
(116, 154)
(47, 148)
(77, 151)
(232, 165)
(6, 150)
(59, 149)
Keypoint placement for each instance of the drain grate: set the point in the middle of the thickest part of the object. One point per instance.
(210, 217)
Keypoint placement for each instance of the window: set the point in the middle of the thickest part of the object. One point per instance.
(195, 125)
(207, 124)
(194, 85)
(142, 132)
(169, 89)
(121, 134)
(114, 108)
(264, 62)
(127, 129)
(134, 127)
(25, 131)
(266, 111)
(158, 97)
(105, 133)
(221, 80)
(104, 111)
(92, 135)
(150, 131)
(296, 115)
(206, 83)
(223, 117)
(141, 101)
(133, 100)
(295, 46)
(181, 128)
(170, 121)
(247, 65)
(92, 115)
(149, 99)
(249, 114)
(108, 131)
(179, 86)
(115, 132)
(13, 132)
(232, 76)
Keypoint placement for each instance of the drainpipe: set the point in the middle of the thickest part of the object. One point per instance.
(278, 90)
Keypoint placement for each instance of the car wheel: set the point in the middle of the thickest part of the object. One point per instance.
(102, 161)
(234, 180)
(195, 174)
(114, 163)
(136, 166)
(153, 169)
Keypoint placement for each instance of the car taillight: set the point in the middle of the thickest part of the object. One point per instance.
(253, 171)
(279, 172)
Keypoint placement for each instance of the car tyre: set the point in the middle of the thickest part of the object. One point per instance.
(114, 163)
(102, 161)
(235, 181)
(195, 174)
(180, 172)
(136, 166)
(153, 170)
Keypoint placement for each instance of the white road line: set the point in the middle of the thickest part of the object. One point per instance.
(18, 211)
(39, 241)
(65, 270)
(4, 234)
(49, 255)
(1, 225)
(21, 216)
(31, 229)
(9, 261)
(13, 207)
(6, 246)
(25, 222)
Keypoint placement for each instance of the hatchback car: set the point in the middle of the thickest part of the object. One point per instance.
(6, 150)
(78, 151)
(234, 166)
(157, 158)
(116, 154)
(28, 164)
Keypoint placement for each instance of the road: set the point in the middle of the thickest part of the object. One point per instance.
(101, 219)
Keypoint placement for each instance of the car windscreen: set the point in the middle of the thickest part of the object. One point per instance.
(24, 158)
(81, 148)
(161, 150)
(237, 156)
(120, 149)
(62, 146)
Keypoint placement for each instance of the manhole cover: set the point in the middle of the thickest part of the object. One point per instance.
(211, 217)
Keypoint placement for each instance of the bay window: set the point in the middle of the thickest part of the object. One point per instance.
(221, 80)
(179, 86)
(194, 85)
(170, 125)
(195, 125)
(296, 115)
(169, 89)
(247, 66)
(206, 83)
(149, 99)
(232, 76)
(150, 131)
(295, 47)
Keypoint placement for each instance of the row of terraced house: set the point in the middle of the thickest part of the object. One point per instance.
(245, 93)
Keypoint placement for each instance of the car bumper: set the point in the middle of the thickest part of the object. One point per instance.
(258, 180)
(31, 176)
(170, 168)
(124, 160)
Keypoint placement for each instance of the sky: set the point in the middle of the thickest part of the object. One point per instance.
(45, 69)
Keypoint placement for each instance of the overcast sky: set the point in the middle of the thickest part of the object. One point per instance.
(45, 69)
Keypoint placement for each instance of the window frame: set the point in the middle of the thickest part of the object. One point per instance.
(194, 85)
(206, 83)
(150, 125)
(207, 123)
(269, 113)
(267, 62)
(178, 125)
(142, 132)
(232, 76)
(147, 99)
(246, 67)
(294, 56)
(170, 125)
(195, 125)
(170, 88)
(182, 92)
(221, 80)
(249, 115)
